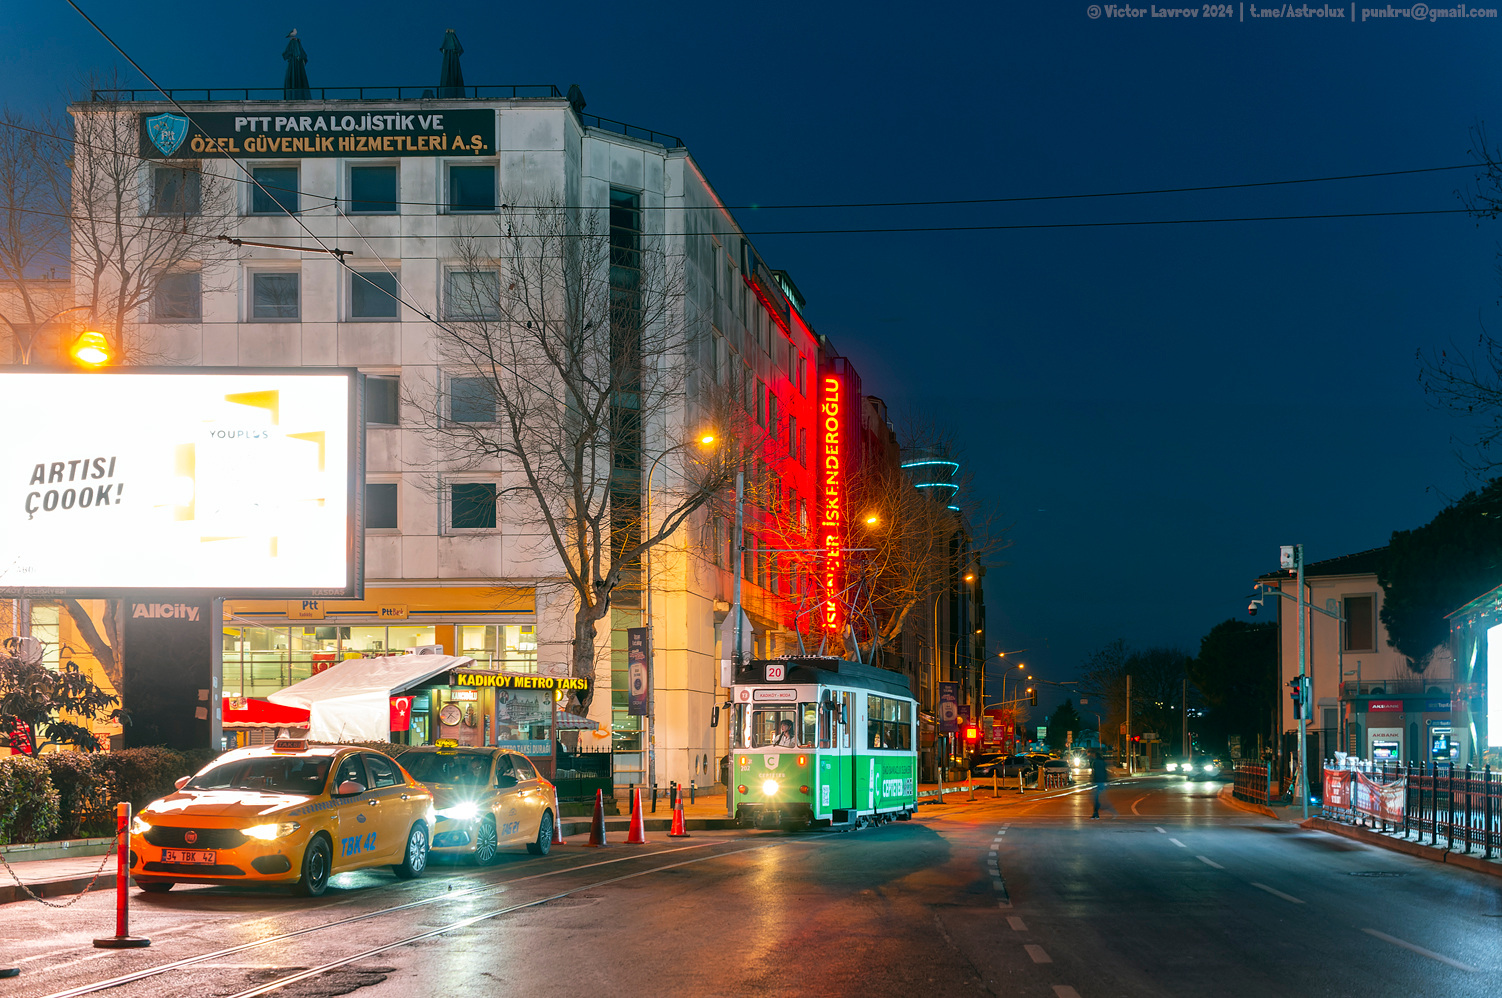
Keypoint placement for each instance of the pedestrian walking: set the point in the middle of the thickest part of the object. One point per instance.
(1100, 773)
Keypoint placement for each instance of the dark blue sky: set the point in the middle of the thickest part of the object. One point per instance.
(1153, 409)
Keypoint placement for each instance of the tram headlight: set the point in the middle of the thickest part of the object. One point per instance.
(769, 787)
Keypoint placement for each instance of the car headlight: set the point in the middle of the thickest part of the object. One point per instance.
(138, 827)
(275, 830)
(1209, 768)
(1172, 766)
(769, 787)
(463, 811)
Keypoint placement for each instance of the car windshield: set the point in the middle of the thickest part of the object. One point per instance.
(464, 769)
(269, 774)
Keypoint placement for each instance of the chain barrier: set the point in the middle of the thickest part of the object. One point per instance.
(114, 844)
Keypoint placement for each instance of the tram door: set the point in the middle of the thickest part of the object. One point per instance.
(844, 746)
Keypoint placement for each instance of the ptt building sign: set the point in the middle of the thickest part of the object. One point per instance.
(324, 132)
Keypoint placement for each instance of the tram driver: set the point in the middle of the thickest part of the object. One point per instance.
(785, 737)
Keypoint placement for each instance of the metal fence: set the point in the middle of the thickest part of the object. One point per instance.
(1055, 779)
(1457, 804)
(505, 92)
(1253, 781)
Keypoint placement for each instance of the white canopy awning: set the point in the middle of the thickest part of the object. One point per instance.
(351, 700)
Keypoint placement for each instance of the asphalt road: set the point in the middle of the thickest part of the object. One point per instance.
(1176, 895)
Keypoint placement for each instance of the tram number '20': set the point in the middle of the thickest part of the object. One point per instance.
(510, 827)
(357, 844)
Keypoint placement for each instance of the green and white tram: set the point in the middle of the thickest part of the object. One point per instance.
(822, 742)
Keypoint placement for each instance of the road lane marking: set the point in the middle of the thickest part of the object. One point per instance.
(1015, 921)
(1139, 800)
(1177, 842)
(1036, 952)
(1209, 862)
(1161, 829)
(1420, 950)
(1065, 991)
(1277, 893)
(998, 885)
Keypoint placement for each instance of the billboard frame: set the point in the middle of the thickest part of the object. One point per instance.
(354, 533)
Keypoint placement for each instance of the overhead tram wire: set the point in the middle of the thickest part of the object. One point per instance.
(876, 230)
(1019, 199)
(323, 246)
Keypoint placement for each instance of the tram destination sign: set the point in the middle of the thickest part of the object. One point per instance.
(299, 134)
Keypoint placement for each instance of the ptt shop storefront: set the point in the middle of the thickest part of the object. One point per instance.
(519, 712)
(270, 644)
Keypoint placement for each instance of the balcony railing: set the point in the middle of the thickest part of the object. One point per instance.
(632, 131)
(1397, 688)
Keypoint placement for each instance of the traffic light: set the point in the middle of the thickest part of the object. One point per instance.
(972, 733)
(1034, 697)
(1297, 692)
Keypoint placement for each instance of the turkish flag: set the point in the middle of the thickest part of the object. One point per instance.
(401, 713)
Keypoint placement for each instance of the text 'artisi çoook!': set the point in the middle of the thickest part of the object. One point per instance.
(74, 497)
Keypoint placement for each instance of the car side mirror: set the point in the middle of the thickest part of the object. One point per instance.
(181, 782)
(349, 788)
(506, 781)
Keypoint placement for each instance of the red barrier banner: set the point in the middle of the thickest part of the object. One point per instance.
(1383, 801)
(1338, 788)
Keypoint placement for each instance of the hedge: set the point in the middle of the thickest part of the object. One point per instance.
(74, 794)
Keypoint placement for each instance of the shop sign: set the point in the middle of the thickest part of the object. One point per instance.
(305, 609)
(1378, 706)
(1437, 707)
(529, 746)
(949, 705)
(320, 132)
(498, 681)
(392, 611)
(401, 713)
(465, 695)
(831, 471)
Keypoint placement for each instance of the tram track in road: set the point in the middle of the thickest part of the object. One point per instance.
(479, 892)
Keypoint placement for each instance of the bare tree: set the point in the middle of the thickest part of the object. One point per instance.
(922, 538)
(564, 352)
(1157, 684)
(33, 229)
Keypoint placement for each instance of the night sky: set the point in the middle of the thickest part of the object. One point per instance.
(1152, 409)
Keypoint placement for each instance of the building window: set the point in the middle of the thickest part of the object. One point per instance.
(176, 191)
(803, 446)
(275, 190)
(178, 297)
(472, 506)
(382, 399)
(372, 295)
(380, 505)
(471, 188)
(274, 295)
(1361, 623)
(774, 421)
(372, 190)
(471, 400)
(472, 294)
(761, 403)
(802, 375)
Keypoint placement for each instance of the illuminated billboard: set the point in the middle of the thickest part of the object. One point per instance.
(832, 498)
(229, 481)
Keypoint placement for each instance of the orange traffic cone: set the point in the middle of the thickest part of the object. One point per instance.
(637, 836)
(597, 826)
(557, 821)
(678, 831)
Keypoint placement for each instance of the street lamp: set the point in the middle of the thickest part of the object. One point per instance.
(90, 348)
(705, 440)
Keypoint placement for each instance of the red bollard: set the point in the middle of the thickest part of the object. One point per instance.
(122, 939)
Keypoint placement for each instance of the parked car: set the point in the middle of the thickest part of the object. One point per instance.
(984, 764)
(1036, 778)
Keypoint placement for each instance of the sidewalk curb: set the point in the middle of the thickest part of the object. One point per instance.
(1433, 853)
(1228, 797)
(51, 889)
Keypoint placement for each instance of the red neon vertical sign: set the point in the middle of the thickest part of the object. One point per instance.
(832, 504)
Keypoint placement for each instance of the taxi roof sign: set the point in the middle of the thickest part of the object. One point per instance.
(290, 745)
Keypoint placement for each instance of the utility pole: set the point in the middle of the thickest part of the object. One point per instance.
(1184, 701)
(1302, 782)
(1129, 725)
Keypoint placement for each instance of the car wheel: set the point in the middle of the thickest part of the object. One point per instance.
(315, 868)
(544, 836)
(486, 846)
(416, 859)
(156, 886)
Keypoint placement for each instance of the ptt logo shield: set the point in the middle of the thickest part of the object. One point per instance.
(167, 131)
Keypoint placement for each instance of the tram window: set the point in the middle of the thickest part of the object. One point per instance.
(767, 723)
(888, 723)
(826, 719)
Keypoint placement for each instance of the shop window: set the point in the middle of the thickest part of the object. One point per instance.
(471, 188)
(176, 190)
(472, 506)
(382, 399)
(380, 505)
(404, 639)
(275, 190)
(373, 295)
(177, 297)
(274, 295)
(372, 190)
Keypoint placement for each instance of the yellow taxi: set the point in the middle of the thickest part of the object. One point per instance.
(486, 798)
(291, 813)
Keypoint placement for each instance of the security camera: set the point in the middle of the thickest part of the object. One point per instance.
(1251, 608)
